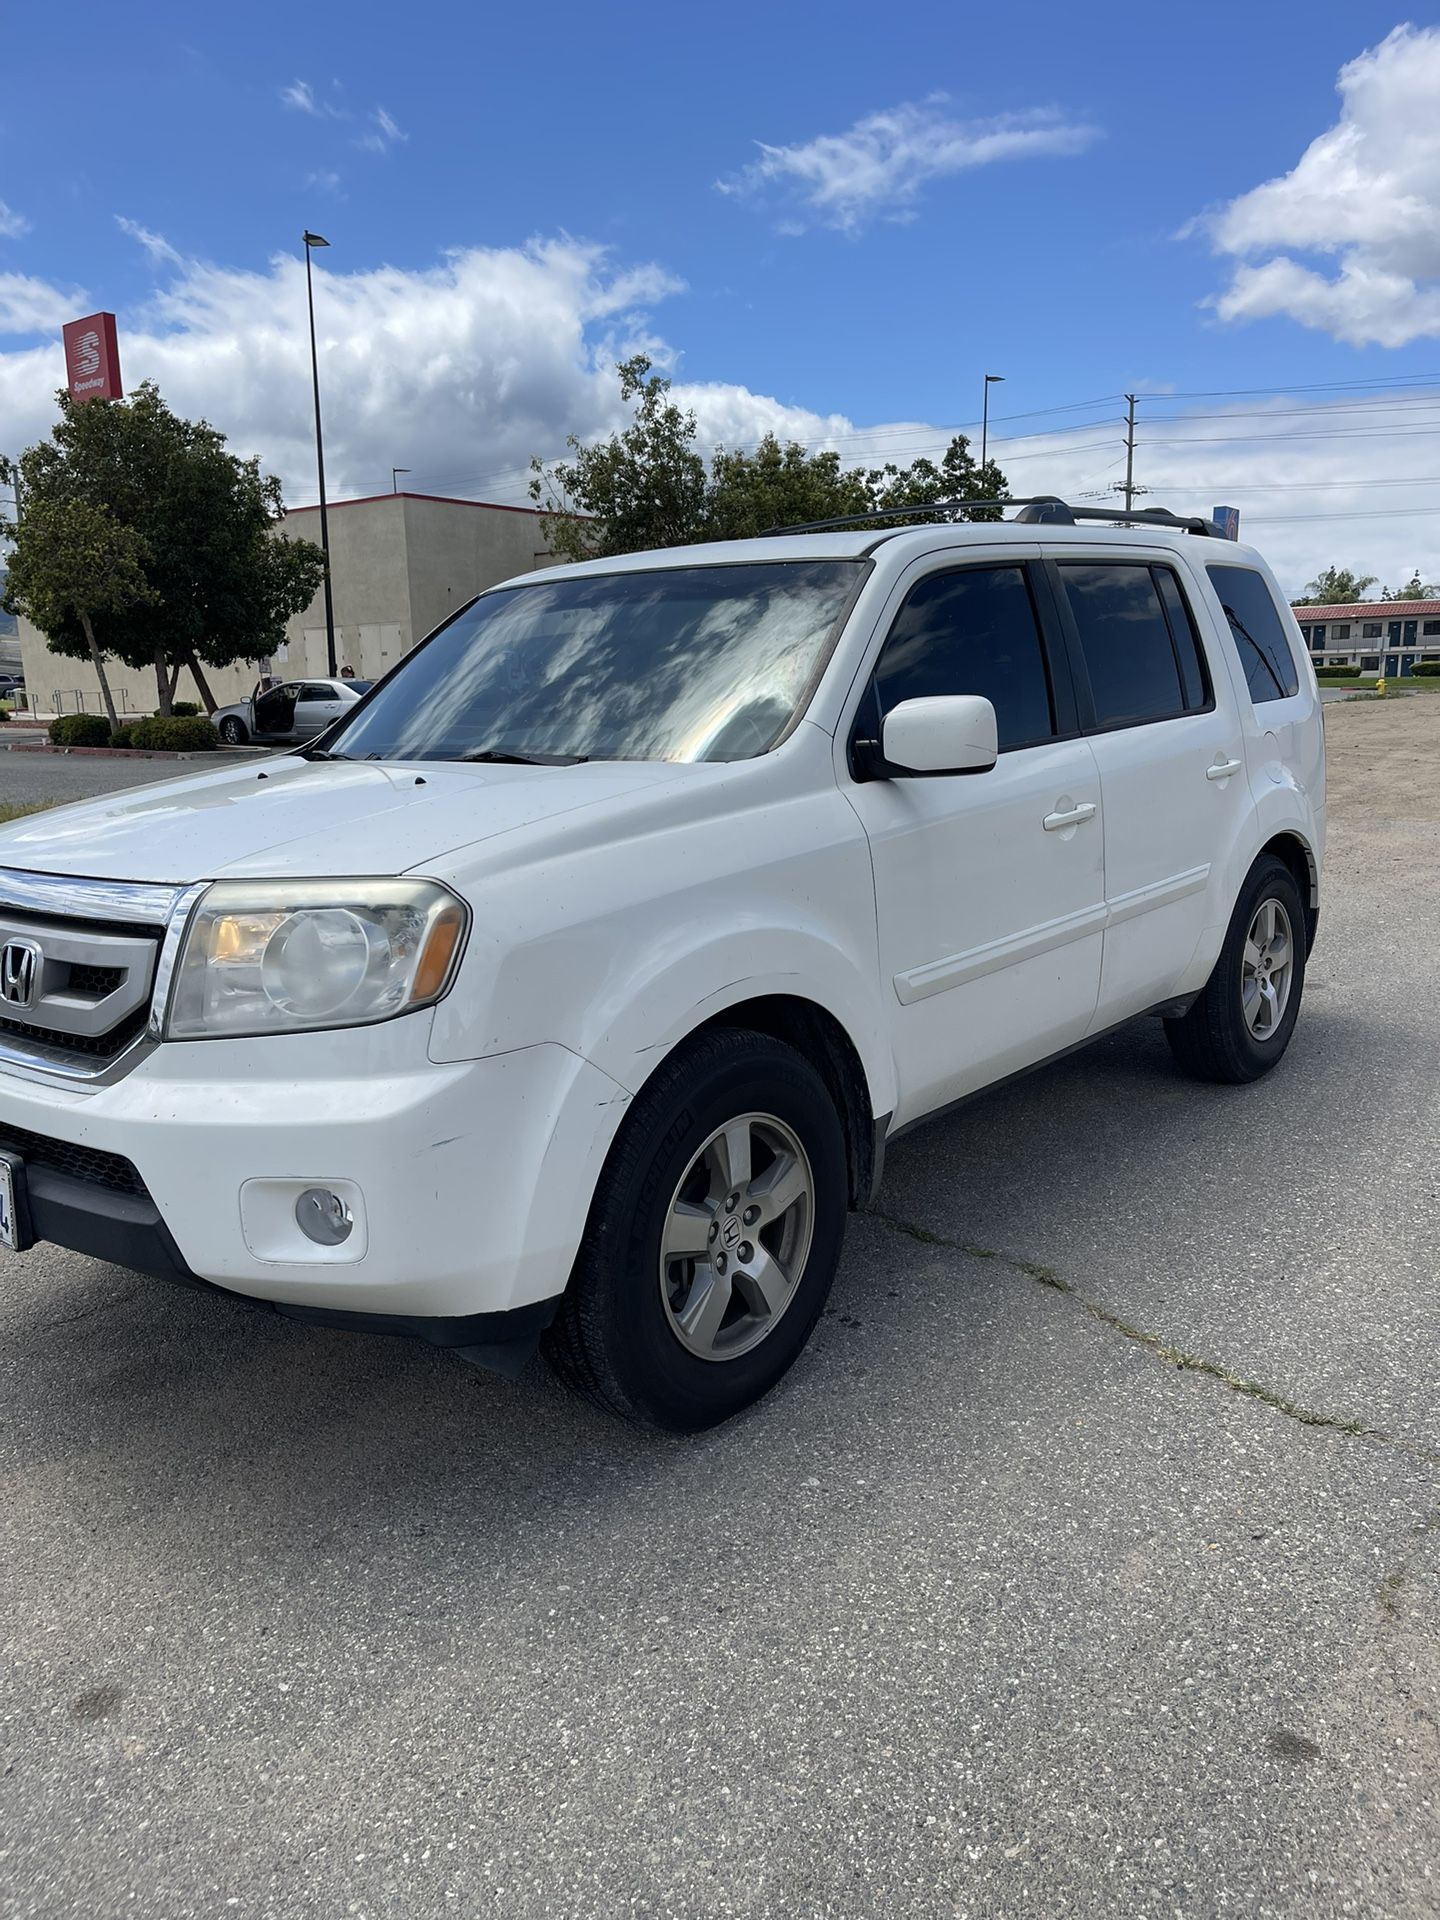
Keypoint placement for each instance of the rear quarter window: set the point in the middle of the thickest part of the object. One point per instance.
(1258, 632)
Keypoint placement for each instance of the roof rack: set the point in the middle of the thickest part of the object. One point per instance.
(1044, 509)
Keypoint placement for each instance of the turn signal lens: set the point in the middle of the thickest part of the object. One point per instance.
(441, 944)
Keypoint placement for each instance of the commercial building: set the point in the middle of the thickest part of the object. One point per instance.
(1373, 636)
(400, 563)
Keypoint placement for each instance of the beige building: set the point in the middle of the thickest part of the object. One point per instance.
(399, 564)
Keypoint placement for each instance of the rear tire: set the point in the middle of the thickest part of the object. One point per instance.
(713, 1237)
(1241, 1024)
(232, 731)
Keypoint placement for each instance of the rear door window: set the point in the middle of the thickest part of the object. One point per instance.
(1138, 671)
(1258, 632)
(972, 631)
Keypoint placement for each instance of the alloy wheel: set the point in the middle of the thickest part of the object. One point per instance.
(1267, 969)
(736, 1237)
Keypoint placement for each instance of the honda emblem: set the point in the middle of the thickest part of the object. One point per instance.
(21, 962)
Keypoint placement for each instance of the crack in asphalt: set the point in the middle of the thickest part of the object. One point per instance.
(87, 1313)
(1163, 1349)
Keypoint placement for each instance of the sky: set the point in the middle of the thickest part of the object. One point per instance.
(825, 221)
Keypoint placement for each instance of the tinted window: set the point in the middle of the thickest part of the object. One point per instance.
(1260, 638)
(1370, 630)
(317, 693)
(1193, 676)
(1125, 637)
(971, 632)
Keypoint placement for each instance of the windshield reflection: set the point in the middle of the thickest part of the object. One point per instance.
(683, 663)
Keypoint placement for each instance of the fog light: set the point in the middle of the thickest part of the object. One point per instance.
(323, 1217)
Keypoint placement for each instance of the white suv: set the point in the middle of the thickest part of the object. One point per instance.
(574, 983)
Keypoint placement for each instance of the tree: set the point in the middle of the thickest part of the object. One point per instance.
(220, 584)
(648, 486)
(1334, 587)
(76, 562)
(778, 486)
(959, 476)
(641, 488)
(1414, 589)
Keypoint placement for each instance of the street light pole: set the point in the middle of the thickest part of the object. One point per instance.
(395, 473)
(991, 379)
(313, 240)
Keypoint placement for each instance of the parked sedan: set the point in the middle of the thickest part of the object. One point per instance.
(293, 710)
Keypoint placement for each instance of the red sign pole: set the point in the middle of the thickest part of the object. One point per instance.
(92, 359)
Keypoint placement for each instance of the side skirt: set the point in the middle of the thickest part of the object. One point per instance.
(1163, 1010)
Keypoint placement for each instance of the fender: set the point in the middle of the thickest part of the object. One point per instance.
(633, 1033)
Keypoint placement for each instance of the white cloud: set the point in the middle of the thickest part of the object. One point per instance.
(34, 306)
(464, 370)
(300, 96)
(12, 224)
(155, 244)
(877, 168)
(325, 179)
(382, 134)
(460, 372)
(1364, 197)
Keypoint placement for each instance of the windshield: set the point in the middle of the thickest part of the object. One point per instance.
(684, 663)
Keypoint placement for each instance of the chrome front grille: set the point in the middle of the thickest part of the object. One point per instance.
(84, 965)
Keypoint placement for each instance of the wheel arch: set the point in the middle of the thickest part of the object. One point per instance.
(1299, 856)
(815, 1032)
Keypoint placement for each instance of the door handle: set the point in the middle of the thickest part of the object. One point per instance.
(1222, 769)
(1054, 822)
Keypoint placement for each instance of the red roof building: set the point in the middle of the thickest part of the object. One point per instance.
(1375, 636)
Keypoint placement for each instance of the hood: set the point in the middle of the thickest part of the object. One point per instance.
(292, 818)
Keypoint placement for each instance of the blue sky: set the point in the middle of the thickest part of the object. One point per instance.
(948, 190)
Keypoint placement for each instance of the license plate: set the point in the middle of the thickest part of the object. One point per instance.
(9, 1227)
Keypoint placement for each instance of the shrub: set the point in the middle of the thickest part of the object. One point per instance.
(80, 730)
(184, 733)
(1430, 668)
(4, 715)
(123, 736)
(179, 710)
(1337, 673)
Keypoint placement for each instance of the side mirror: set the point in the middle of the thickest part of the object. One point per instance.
(943, 733)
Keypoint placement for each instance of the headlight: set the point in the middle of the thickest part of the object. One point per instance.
(280, 956)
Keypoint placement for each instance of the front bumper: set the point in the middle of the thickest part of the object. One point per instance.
(472, 1180)
(127, 1229)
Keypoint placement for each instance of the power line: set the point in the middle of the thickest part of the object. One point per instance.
(1321, 386)
(1344, 433)
(1383, 513)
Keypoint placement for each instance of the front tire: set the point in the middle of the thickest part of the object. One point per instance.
(1242, 1022)
(232, 731)
(713, 1237)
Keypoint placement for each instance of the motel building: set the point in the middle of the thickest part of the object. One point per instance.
(400, 564)
(1377, 637)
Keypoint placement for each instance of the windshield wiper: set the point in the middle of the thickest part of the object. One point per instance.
(508, 757)
(321, 753)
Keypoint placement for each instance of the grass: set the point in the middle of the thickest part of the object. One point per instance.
(16, 810)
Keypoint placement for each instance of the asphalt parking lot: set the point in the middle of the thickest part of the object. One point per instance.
(57, 777)
(1089, 1562)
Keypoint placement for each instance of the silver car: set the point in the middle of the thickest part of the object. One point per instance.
(291, 710)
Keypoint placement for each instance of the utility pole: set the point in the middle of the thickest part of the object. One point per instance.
(1129, 452)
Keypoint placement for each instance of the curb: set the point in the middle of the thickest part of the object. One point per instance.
(118, 753)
